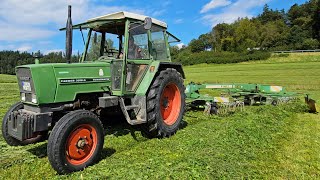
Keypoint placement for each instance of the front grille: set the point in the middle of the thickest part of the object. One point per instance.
(24, 76)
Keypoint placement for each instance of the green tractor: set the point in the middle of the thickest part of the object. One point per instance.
(65, 102)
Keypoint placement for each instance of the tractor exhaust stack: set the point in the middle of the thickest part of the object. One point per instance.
(69, 36)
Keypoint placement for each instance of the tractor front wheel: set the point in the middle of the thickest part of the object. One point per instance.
(75, 142)
(165, 104)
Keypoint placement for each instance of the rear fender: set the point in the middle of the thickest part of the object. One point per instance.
(155, 67)
(177, 66)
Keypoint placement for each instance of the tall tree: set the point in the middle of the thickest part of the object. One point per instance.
(246, 35)
(316, 22)
(269, 15)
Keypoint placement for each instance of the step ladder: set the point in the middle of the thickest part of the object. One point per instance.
(140, 117)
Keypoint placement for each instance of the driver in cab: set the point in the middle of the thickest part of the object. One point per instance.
(134, 51)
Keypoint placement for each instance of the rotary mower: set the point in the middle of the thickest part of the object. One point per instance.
(236, 96)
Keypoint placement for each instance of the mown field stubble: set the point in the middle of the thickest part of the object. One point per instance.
(262, 142)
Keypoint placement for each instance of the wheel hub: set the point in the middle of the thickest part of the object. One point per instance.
(81, 143)
(165, 102)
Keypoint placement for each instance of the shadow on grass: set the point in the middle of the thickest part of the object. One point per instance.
(41, 151)
(116, 125)
(106, 152)
(113, 125)
(183, 124)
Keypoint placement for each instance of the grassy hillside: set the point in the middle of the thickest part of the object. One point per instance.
(298, 72)
(263, 142)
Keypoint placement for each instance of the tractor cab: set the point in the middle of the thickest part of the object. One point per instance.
(129, 42)
(125, 35)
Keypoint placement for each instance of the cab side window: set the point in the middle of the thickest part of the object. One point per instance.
(159, 48)
(138, 47)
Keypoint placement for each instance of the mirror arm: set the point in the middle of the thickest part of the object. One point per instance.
(82, 36)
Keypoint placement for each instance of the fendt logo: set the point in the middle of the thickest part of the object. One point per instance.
(24, 78)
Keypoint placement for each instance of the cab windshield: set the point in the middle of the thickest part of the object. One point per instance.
(104, 45)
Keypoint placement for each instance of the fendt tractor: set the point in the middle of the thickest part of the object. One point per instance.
(70, 99)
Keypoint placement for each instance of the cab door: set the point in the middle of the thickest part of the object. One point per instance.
(137, 57)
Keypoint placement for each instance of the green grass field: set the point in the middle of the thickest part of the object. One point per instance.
(263, 142)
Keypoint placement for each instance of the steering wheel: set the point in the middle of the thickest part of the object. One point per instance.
(110, 52)
(105, 58)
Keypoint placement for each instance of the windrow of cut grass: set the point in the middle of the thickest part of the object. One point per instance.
(244, 145)
(262, 142)
(8, 78)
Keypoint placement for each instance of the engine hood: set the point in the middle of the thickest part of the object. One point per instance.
(61, 82)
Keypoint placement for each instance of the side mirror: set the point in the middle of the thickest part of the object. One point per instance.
(147, 23)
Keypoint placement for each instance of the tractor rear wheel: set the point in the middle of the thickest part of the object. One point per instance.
(41, 136)
(165, 104)
(75, 142)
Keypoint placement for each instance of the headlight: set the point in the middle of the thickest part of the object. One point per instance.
(23, 96)
(34, 99)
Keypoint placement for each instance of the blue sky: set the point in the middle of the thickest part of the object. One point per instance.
(33, 25)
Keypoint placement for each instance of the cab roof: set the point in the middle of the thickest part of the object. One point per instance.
(114, 23)
(123, 14)
(114, 19)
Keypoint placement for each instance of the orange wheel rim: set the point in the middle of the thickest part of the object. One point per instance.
(81, 144)
(170, 104)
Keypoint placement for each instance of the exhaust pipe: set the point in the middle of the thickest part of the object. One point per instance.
(69, 36)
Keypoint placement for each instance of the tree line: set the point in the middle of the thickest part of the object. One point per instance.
(10, 59)
(272, 30)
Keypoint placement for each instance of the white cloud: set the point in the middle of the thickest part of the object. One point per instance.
(24, 48)
(21, 48)
(36, 21)
(45, 42)
(16, 32)
(180, 45)
(44, 12)
(215, 4)
(178, 21)
(35, 12)
(239, 9)
(7, 47)
(225, 17)
(39, 19)
(52, 50)
(158, 13)
(166, 3)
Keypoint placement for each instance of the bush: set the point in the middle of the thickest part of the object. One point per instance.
(310, 44)
(211, 57)
(280, 55)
